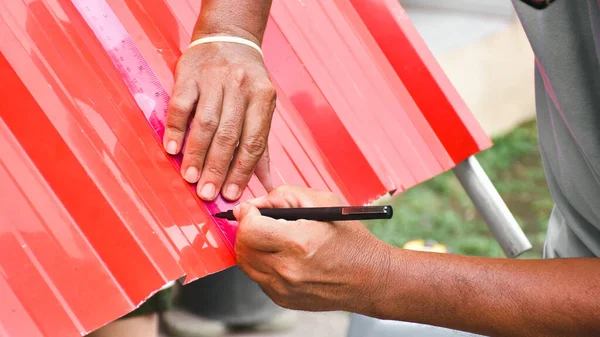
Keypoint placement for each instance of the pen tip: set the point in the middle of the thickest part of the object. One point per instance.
(220, 215)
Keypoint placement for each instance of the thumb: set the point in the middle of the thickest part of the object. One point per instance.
(244, 211)
(258, 232)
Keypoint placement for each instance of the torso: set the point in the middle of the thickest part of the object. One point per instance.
(566, 40)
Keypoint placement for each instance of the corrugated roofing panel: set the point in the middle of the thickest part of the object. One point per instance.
(95, 214)
(415, 65)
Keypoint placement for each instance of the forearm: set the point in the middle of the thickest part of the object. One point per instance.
(242, 18)
(498, 297)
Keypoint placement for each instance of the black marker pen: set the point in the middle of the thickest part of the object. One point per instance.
(321, 213)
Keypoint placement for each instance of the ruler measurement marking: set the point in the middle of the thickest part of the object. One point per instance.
(141, 81)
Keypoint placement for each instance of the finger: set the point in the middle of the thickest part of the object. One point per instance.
(267, 288)
(181, 105)
(287, 196)
(270, 201)
(253, 143)
(298, 196)
(203, 126)
(223, 146)
(263, 170)
(255, 275)
(258, 232)
(255, 259)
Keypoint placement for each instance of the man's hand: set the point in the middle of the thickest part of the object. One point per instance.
(309, 265)
(223, 92)
(320, 266)
(225, 89)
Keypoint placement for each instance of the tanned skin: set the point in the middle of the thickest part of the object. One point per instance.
(224, 94)
(318, 266)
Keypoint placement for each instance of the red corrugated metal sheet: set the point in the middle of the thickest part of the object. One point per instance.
(438, 101)
(94, 216)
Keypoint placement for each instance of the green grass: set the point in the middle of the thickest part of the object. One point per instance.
(440, 210)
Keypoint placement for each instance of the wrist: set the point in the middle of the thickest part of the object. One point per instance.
(225, 30)
(374, 291)
(400, 287)
(384, 281)
(240, 18)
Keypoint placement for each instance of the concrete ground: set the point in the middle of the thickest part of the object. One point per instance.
(330, 324)
(489, 61)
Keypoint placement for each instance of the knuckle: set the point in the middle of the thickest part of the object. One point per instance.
(255, 145)
(179, 105)
(178, 112)
(179, 128)
(280, 300)
(282, 191)
(215, 170)
(231, 125)
(285, 191)
(237, 75)
(194, 153)
(301, 246)
(207, 121)
(226, 138)
(292, 277)
(267, 94)
(278, 287)
(266, 89)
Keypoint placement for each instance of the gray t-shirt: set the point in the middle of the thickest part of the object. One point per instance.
(565, 38)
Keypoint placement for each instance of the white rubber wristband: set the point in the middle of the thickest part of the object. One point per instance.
(233, 39)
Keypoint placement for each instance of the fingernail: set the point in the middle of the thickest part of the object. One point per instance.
(171, 147)
(232, 191)
(191, 175)
(208, 191)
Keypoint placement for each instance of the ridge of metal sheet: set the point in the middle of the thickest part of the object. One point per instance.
(439, 102)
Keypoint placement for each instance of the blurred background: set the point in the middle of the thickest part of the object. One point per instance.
(483, 50)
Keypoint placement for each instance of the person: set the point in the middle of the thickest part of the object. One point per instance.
(341, 266)
(319, 266)
(223, 93)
